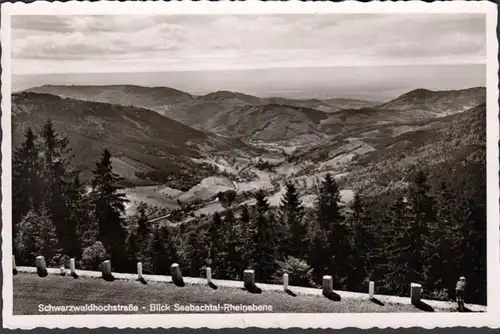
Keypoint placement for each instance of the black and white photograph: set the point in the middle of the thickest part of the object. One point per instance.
(253, 164)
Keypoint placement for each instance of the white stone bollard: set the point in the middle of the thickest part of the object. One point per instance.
(139, 271)
(327, 285)
(209, 275)
(249, 279)
(415, 293)
(41, 266)
(371, 289)
(14, 268)
(72, 267)
(175, 272)
(285, 282)
(106, 269)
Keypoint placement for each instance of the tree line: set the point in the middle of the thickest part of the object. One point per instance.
(423, 234)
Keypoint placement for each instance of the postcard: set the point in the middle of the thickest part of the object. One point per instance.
(250, 164)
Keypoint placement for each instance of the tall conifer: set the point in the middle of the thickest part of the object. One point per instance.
(109, 206)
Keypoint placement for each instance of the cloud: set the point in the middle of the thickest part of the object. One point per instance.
(72, 44)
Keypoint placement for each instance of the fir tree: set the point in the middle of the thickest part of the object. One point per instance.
(138, 237)
(198, 252)
(216, 240)
(142, 224)
(422, 215)
(133, 249)
(398, 247)
(264, 254)
(337, 249)
(440, 270)
(408, 250)
(246, 242)
(316, 254)
(79, 212)
(291, 215)
(161, 254)
(26, 186)
(57, 175)
(363, 243)
(109, 205)
(471, 252)
(234, 246)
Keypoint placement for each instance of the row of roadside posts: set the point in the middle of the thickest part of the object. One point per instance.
(175, 272)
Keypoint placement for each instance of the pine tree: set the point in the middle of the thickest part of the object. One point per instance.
(26, 186)
(291, 215)
(79, 213)
(397, 247)
(233, 246)
(138, 236)
(330, 225)
(264, 254)
(470, 255)
(57, 176)
(422, 215)
(108, 205)
(245, 215)
(88, 228)
(246, 242)
(316, 254)
(171, 238)
(408, 247)
(142, 224)
(327, 206)
(363, 243)
(133, 249)
(216, 240)
(198, 252)
(161, 251)
(440, 270)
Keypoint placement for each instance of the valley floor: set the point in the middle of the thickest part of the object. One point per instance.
(30, 291)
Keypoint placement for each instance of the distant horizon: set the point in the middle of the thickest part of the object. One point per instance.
(380, 83)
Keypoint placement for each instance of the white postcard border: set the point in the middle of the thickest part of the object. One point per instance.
(273, 320)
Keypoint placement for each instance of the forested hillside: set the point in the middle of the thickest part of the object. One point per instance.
(430, 229)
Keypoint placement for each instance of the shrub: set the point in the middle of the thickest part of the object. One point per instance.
(93, 256)
(299, 272)
(59, 260)
(441, 294)
(36, 236)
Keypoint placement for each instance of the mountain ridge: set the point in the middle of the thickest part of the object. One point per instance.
(251, 118)
(437, 103)
(151, 140)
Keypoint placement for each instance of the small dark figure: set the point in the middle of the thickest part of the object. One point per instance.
(460, 291)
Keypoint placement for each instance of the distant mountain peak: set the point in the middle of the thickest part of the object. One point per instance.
(437, 103)
(225, 94)
(420, 91)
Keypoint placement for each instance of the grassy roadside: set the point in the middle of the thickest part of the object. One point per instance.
(30, 291)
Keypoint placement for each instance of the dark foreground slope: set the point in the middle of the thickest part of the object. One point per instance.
(30, 291)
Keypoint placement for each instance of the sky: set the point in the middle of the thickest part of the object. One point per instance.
(261, 54)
